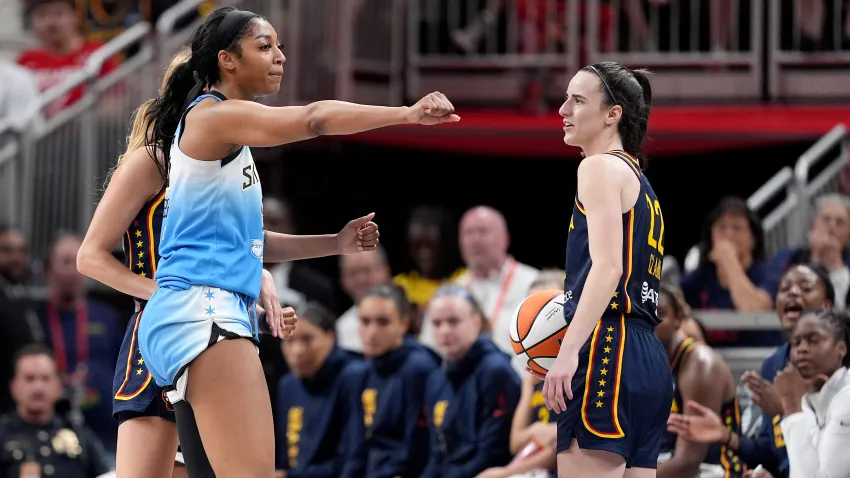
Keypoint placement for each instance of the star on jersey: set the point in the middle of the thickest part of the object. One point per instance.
(603, 371)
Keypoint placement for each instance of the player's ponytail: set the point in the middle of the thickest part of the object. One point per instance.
(140, 126)
(164, 114)
(642, 115)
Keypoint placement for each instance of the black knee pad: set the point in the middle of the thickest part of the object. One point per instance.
(194, 456)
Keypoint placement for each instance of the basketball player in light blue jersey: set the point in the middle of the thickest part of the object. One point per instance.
(213, 244)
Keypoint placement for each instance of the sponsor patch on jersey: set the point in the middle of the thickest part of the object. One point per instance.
(257, 248)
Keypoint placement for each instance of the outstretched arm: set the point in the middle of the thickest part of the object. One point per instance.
(253, 124)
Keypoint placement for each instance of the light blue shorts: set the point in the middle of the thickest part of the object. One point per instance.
(179, 324)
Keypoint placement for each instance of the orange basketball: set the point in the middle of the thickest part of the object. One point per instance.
(537, 328)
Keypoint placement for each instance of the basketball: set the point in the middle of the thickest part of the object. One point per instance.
(537, 328)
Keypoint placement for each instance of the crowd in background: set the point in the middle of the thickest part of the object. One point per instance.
(422, 359)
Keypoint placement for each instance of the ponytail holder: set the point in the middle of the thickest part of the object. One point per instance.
(195, 91)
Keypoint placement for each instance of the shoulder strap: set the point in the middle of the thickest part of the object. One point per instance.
(629, 160)
(212, 94)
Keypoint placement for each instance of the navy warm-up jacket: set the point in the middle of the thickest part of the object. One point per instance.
(390, 414)
(312, 421)
(470, 408)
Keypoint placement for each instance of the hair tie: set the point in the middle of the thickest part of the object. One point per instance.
(195, 91)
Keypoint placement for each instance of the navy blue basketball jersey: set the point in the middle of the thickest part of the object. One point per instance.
(730, 413)
(636, 295)
(141, 241)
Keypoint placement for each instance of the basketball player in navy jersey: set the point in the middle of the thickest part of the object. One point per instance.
(213, 244)
(699, 375)
(610, 384)
(131, 211)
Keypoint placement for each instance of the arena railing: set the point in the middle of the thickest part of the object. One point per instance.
(828, 157)
(55, 164)
(806, 68)
(491, 54)
(786, 201)
(683, 40)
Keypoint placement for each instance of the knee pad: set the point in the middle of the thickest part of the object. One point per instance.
(194, 456)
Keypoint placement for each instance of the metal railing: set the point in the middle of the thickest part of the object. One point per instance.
(51, 177)
(809, 49)
(494, 50)
(683, 39)
(53, 167)
(793, 193)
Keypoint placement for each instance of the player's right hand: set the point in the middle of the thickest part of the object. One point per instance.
(698, 424)
(287, 323)
(433, 109)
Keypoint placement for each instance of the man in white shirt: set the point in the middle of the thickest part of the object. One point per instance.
(357, 274)
(498, 281)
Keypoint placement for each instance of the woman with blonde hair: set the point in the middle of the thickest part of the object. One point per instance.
(131, 211)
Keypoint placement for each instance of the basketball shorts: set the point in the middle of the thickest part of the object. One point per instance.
(134, 392)
(622, 393)
(179, 324)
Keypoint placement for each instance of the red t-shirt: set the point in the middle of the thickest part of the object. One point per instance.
(50, 69)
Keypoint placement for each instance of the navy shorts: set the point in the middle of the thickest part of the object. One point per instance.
(134, 392)
(622, 393)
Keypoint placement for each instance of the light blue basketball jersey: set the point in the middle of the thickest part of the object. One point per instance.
(212, 227)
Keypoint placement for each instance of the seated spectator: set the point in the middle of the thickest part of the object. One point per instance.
(35, 440)
(313, 399)
(358, 274)
(63, 49)
(390, 395)
(496, 279)
(533, 437)
(430, 238)
(471, 401)
(19, 325)
(699, 375)
(85, 336)
(731, 270)
(815, 394)
(803, 287)
(828, 245)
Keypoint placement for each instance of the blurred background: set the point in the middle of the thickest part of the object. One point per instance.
(751, 99)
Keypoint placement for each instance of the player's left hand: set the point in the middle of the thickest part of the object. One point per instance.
(359, 235)
(270, 302)
(559, 381)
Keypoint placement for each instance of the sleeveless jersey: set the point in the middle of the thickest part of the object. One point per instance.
(141, 241)
(730, 413)
(212, 226)
(636, 295)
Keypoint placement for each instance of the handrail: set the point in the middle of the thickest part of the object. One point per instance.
(127, 38)
(816, 152)
(168, 20)
(768, 189)
(734, 320)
